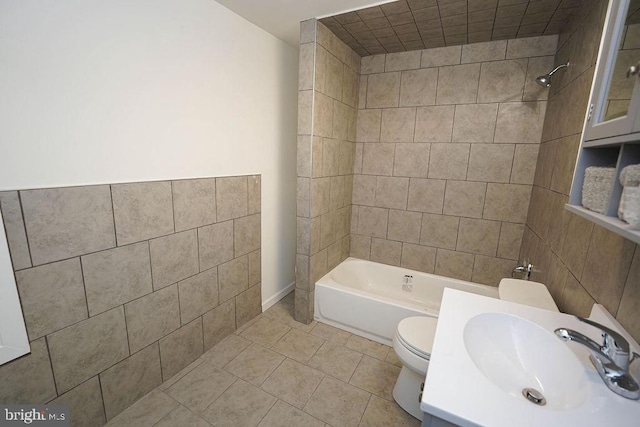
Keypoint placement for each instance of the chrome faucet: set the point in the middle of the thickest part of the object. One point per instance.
(525, 270)
(611, 359)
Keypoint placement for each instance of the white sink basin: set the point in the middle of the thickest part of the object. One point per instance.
(516, 354)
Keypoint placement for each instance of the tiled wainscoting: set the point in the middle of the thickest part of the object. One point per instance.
(124, 285)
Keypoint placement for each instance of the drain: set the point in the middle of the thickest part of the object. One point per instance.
(534, 396)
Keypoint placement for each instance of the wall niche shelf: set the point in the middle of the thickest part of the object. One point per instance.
(611, 136)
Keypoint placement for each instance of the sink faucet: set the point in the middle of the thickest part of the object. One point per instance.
(611, 359)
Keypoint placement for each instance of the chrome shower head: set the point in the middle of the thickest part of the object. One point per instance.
(545, 80)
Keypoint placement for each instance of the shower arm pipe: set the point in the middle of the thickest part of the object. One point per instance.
(557, 68)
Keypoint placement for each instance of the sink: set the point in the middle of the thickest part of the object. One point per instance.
(523, 359)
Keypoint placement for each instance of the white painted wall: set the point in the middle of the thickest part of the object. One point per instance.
(95, 91)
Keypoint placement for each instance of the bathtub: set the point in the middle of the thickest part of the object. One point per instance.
(367, 298)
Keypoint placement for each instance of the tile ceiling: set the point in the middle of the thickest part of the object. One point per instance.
(418, 24)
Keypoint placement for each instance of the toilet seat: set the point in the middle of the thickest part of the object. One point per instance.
(417, 334)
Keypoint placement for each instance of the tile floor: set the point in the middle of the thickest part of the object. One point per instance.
(275, 371)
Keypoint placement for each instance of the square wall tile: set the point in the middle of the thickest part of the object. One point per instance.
(215, 244)
(255, 268)
(231, 197)
(426, 195)
(66, 222)
(440, 56)
(333, 86)
(490, 162)
(417, 257)
(510, 240)
(29, 378)
(142, 211)
(465, 198)
(373, 221)
(219, 323)
(502, 81)
(458, 84)
(411, 160)
(194, 202)
(84, 349)
(233, 278)
(86, 407)
(475, 122)
(198, 294)
(457, 265)
(152, 317)
(246, 234)
(478, 236)
(404, 226)
(248, 305)
(372, 64)
(439, 231)
(360, 246)
(116, 276)
(129, 380)
(524, 164)
(173, 258)
(418, 87)
(449, 161)
(180, 348)
(434, 124)
(305, 112)
(532, 46)
(507, 202)
(489, 270)
(482, 52)
(386, 251)
(52, 296)
(322, 115)
(377, 159)
(520, 122)
(340, 121)
(383, 90)
(392, 192)
(330, 157)
(15, 231)
(320, 196)
(368, 125)
(398, 125)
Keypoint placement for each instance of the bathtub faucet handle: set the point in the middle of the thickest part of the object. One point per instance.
(407, 284)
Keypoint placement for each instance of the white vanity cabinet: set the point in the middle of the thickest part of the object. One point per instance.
(612, 131)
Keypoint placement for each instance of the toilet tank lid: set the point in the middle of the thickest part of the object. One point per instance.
(524, 292)
(418, 332)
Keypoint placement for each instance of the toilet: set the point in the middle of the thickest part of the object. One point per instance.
(414, 337)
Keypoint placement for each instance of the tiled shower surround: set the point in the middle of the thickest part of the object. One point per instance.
(124, 285)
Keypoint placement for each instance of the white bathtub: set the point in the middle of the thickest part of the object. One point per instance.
(367, 298)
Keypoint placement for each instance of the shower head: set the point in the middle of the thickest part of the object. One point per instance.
(545, 80)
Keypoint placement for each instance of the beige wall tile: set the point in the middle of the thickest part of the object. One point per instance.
(340, 120)
(246, 234)
(315, 235)
(441, 56)
(464, 198)
(305, 66)
(231, 197)
(322, 115)
(490, 162)
(628, 314)
(52, 296)
(320, 196)
(532, 46)
(364, 190)
(386, 251)
(84, 349)
(305, 112)
(336, 192)
(411, 160)
(480, 52)
(303, 197)
(478, 236)
(520, 122)
(15, 231)
(510, 240)
(418, 87)
(350, 87)
(318, 267)
(404, 226)
(398, 125)
(439, 231)
(194, 202)
(360, 246)
(198, 294)
(392, 192)
(180, 348)
(475, 123)
(255, 267)
(420, 258)
(373, 221)
(507, 202)
(362, 91)
(448, 161)
(254, 201)
(383, 90)
(302, 272)
(489, 270)
(233, 278)
(502, 81)
(327, 229)
(173, 258)
(434, 124)
(307, 31)
(334, 77)
(66, 222)
(565, 161)
(574, 299)
(321, 68)
(129, 380)
(372, 64)
(330, 157)
(219, 323)
(457, 265)
(116, 276)
(426, 195)
(215, 244)
(377, 159)
(347, 150)
(86, 408)
(28, 379)
(524, 164)
(458, 84)
(368, 125)
(402, 61)
(576, 244)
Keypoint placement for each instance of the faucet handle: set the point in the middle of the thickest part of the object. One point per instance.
(615, 345)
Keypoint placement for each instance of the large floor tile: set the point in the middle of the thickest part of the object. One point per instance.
(226, 350)
(337, 403)
(255, 364)
(293, 382)
(375, 377)
(182, 416)
(146, 411)
(337, 361)
(283, 414)
(383, 413)
(329, 333)
(298, 345)
(265, 331)
(242, 404)
(200, 387)
(368, 347)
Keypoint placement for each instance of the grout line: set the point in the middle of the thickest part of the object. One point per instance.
(24, 226)
(104, 407)
(53, 372)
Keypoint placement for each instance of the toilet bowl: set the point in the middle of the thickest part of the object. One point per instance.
(414, 337)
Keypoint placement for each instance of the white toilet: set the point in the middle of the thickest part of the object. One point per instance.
(414, 339)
